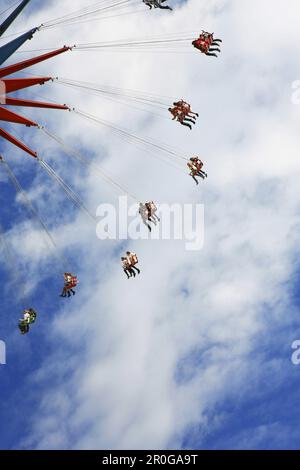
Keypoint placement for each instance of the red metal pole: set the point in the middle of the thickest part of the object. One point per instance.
(15, 84)
(17, 143)
(28, 63)
(33, 104)
(9, 116)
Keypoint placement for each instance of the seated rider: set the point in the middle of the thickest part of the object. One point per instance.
(205, 42)
(195, 165)
(175, 112)
(156, 4)
(26, 316)
(23, 327)
(127, 268)
(29, 317)
(201, 44)
(143, 211)
(133, 261)
(70, 283)
(33, 315)
(207, 37)
(185, 108)
(181, 117)
(152, 209)
(182, 105)
(197, 162)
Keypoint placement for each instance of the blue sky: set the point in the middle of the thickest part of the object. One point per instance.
(205, 361)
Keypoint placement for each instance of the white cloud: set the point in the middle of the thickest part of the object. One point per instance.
(135, 337)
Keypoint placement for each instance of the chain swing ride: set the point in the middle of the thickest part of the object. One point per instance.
(161, 106)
